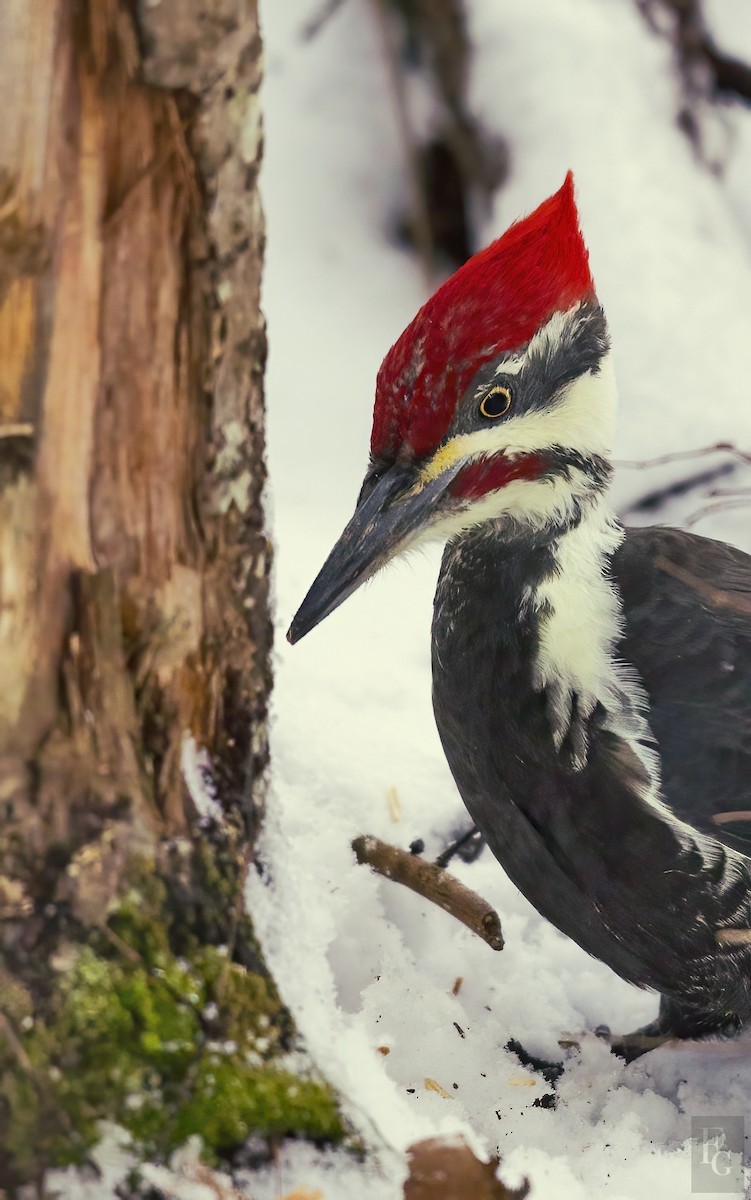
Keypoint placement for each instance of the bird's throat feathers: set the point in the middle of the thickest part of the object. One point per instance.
(562, 594)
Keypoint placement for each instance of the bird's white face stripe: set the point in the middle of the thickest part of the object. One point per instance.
(582, 418)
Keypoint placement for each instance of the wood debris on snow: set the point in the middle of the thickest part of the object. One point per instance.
(441, 1169)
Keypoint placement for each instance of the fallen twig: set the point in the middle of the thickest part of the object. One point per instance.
(434, 884)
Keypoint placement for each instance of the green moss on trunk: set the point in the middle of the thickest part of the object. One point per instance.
(165, 1045)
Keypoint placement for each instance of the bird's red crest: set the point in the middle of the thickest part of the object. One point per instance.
(496, 302)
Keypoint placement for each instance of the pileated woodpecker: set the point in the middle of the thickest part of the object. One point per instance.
(591, 685)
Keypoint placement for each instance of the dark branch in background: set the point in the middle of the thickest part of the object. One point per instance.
(315, 24)
(653, 500)
(432, 883)
(706, 70)
(732, 77)
(420, 215)
(457, 164)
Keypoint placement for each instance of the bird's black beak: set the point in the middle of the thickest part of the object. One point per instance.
(390, 511)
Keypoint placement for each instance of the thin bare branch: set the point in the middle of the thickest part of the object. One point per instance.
(315, 24)
(707, 510)
(643, 464)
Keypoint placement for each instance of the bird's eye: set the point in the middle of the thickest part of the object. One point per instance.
(496, 402)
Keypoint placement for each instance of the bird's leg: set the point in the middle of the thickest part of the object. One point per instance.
(675, 1023)
(468, 847)
(630, 1046)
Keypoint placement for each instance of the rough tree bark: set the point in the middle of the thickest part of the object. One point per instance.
(133, 583)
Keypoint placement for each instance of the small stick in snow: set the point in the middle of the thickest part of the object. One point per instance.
(434, 884)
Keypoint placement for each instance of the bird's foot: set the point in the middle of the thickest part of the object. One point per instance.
(468, 847)
(630, 1046)
(675, 1024)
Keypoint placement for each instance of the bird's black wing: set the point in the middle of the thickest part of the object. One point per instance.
(687, 607)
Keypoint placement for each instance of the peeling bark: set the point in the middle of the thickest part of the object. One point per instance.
(133, 569)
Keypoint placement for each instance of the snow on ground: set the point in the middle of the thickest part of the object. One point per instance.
(366, 966)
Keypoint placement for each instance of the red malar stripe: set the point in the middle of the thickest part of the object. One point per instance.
(489, 474)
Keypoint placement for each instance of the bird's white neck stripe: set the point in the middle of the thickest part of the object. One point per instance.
(581, 622)
(580, 618)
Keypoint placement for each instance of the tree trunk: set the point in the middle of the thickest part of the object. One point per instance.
(134, 630)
